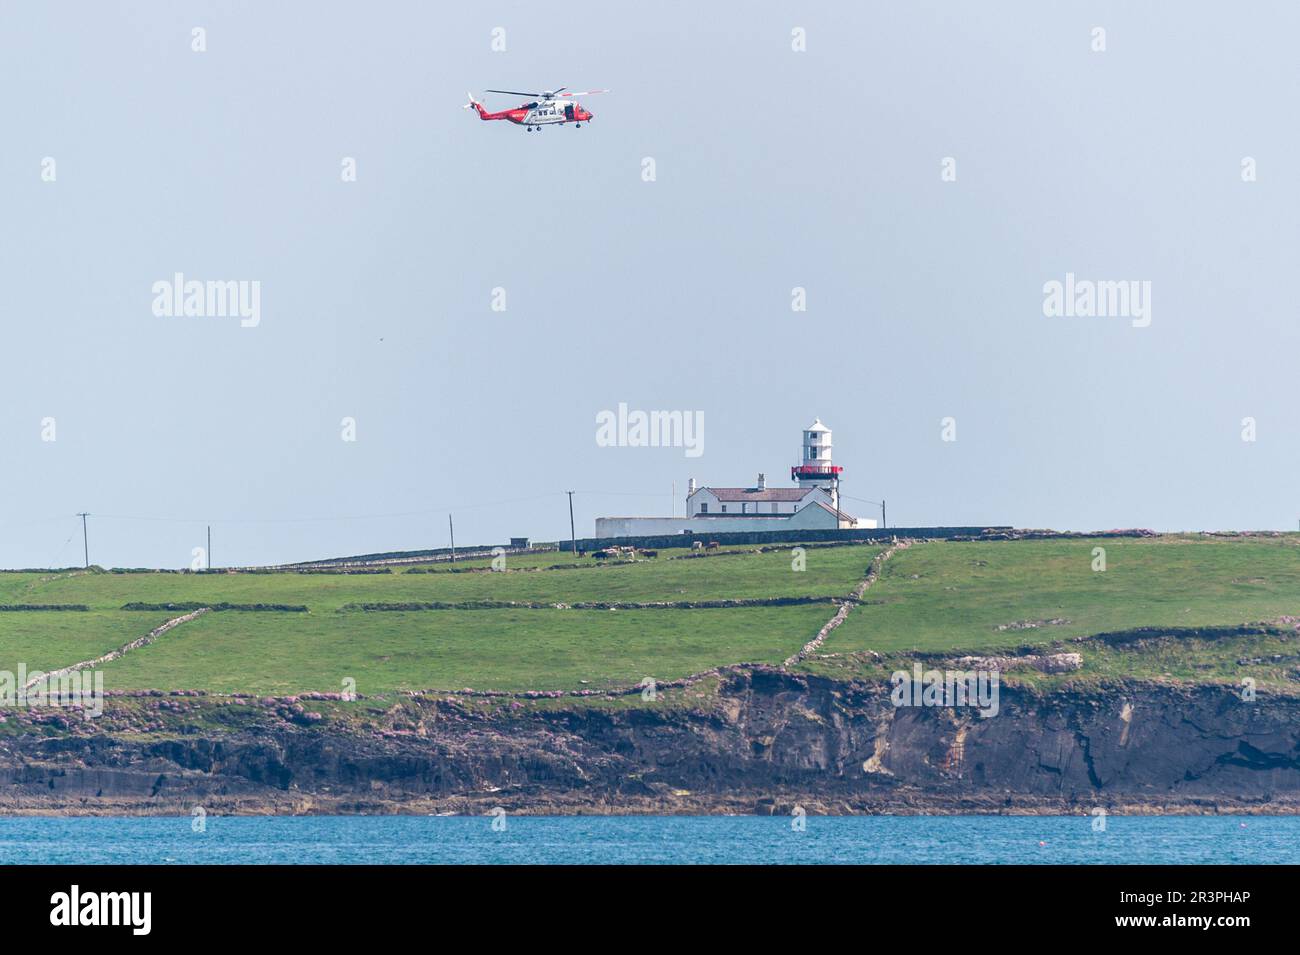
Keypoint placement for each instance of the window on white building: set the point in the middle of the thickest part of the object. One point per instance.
(704, 507)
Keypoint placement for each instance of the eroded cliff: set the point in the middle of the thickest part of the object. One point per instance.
(761, 740)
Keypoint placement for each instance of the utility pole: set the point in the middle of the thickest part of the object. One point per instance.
(452, 527)
(209, 561)
(674, 501)
(883, 523)
(573, 535)
(85, 541)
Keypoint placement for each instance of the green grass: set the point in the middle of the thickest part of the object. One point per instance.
(541, 559)
(483, 649)
(943, 596)
(933, 597)
(18, 588)
(1272, 660)
(46, 640)
(830, 572)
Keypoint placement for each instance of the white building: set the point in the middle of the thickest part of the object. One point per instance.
(812, 504)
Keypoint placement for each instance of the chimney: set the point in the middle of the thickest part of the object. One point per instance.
(762, 482)
(690, 487)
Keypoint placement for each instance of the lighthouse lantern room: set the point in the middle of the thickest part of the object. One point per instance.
(815, 468)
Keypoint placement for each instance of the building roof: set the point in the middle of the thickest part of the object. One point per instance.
(830, 510)
(817, 426)
(754, 494)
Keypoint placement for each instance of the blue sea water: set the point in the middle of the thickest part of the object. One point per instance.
(965, 840)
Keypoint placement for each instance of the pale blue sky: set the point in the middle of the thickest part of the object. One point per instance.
(775, 169)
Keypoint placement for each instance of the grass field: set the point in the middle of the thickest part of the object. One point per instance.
(500, 649)
(955, 596)
(931, 597)
(45, 640)
(830, 571)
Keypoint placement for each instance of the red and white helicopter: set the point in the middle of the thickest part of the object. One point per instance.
(548, 108)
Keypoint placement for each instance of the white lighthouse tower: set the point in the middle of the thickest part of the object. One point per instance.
(815, 468)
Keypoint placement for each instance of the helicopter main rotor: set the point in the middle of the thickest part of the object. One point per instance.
(549, 94)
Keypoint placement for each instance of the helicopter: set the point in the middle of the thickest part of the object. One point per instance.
(548, 108)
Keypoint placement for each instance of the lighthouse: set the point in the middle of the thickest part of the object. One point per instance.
(812, 505)
(815, 468)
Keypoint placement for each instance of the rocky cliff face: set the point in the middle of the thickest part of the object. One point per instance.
(769, 740)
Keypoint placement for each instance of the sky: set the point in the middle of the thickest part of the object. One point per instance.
(792, 146)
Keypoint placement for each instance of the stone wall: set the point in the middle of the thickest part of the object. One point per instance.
(773, 537)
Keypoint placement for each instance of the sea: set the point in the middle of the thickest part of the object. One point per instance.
(640, 840)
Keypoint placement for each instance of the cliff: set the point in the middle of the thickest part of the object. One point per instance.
(761, 740)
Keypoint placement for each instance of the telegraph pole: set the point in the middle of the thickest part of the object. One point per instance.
(85, 541)
(573, 535)
(883, 523)
(209, 560)
(452, 528)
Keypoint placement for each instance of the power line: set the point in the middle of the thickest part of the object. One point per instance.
(364, 517)
(54, 562)
(880, 504)
(325, 518)
(34, 521)
(862, 499)
(166, 519)
(626, 493)
(209, 522)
